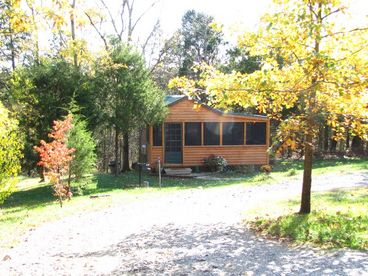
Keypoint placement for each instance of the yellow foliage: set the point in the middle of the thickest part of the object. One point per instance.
(311, 66)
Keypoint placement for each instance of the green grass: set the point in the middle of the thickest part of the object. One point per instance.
(33, 204)
(340, 220)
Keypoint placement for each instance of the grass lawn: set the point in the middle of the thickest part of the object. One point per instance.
(340, 219)
(33, 204)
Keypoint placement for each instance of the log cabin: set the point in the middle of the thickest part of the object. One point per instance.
(194, 131)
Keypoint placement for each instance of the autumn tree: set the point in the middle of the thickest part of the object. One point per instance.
(313, 66)
(10, 153)
(55, 157)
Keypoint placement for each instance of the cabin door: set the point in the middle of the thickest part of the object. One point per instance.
(173, 143)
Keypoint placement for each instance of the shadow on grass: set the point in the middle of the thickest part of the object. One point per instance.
(344, 197)
(30, 198)
(130, 180)
(286, 165)
(104, 183)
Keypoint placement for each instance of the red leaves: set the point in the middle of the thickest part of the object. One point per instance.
(55, 156)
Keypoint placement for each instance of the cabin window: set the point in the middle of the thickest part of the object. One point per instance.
(256, 134)
(212, 133)
(193, 134)
(232, 133)
(157, 135)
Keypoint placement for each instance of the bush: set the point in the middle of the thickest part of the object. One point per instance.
(215, 163)
(266, 168)
(10, 153)
(292, 172)
(82, 141)
(243, 169)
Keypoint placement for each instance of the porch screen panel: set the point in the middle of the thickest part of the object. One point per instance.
(211, 134)
(233, 133)
(157, 135)
(256, 133)
(193, 134)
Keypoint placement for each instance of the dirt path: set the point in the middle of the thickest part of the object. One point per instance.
(197, 232)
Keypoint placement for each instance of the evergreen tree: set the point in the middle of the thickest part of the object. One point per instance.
(126, 98)
(82, 141)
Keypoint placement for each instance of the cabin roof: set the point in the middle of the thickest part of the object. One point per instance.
(173, 99)
(169, 100)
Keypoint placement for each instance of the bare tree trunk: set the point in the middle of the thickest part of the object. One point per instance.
(116, 151)
(305, 205)
(320, 140)
(72, 26)
(140, 157)
(12, 52)
(333, 144)
(36, 50)
(41, 173)
(357, 145)
(126, 166)
(347, 145)
(325, 139)
(69, 175)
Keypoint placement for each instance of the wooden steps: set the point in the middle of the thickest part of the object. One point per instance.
(178, 171)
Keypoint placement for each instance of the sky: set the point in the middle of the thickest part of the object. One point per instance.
(232, 13)
(228, 12)
(235, 15)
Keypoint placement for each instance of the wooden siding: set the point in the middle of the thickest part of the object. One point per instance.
(234, 155)
(154, 153)
(188, 111)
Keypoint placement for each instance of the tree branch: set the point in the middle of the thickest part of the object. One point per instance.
(98, 31)
(350, 31)
(151, 34)
(111, 17)
(331, 13)
(143, 13)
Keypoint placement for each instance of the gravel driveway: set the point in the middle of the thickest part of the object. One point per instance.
(196, 232)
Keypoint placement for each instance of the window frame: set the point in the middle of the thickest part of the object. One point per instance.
(154, 138)
(241, 141)
(199, 133)
(218, 135)
(247, 131)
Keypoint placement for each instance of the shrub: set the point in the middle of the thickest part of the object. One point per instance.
(292, 172)
(266, 168)
(244, 169)
(10, 153)
(84, 157)
(55, 157)
(215, 163)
